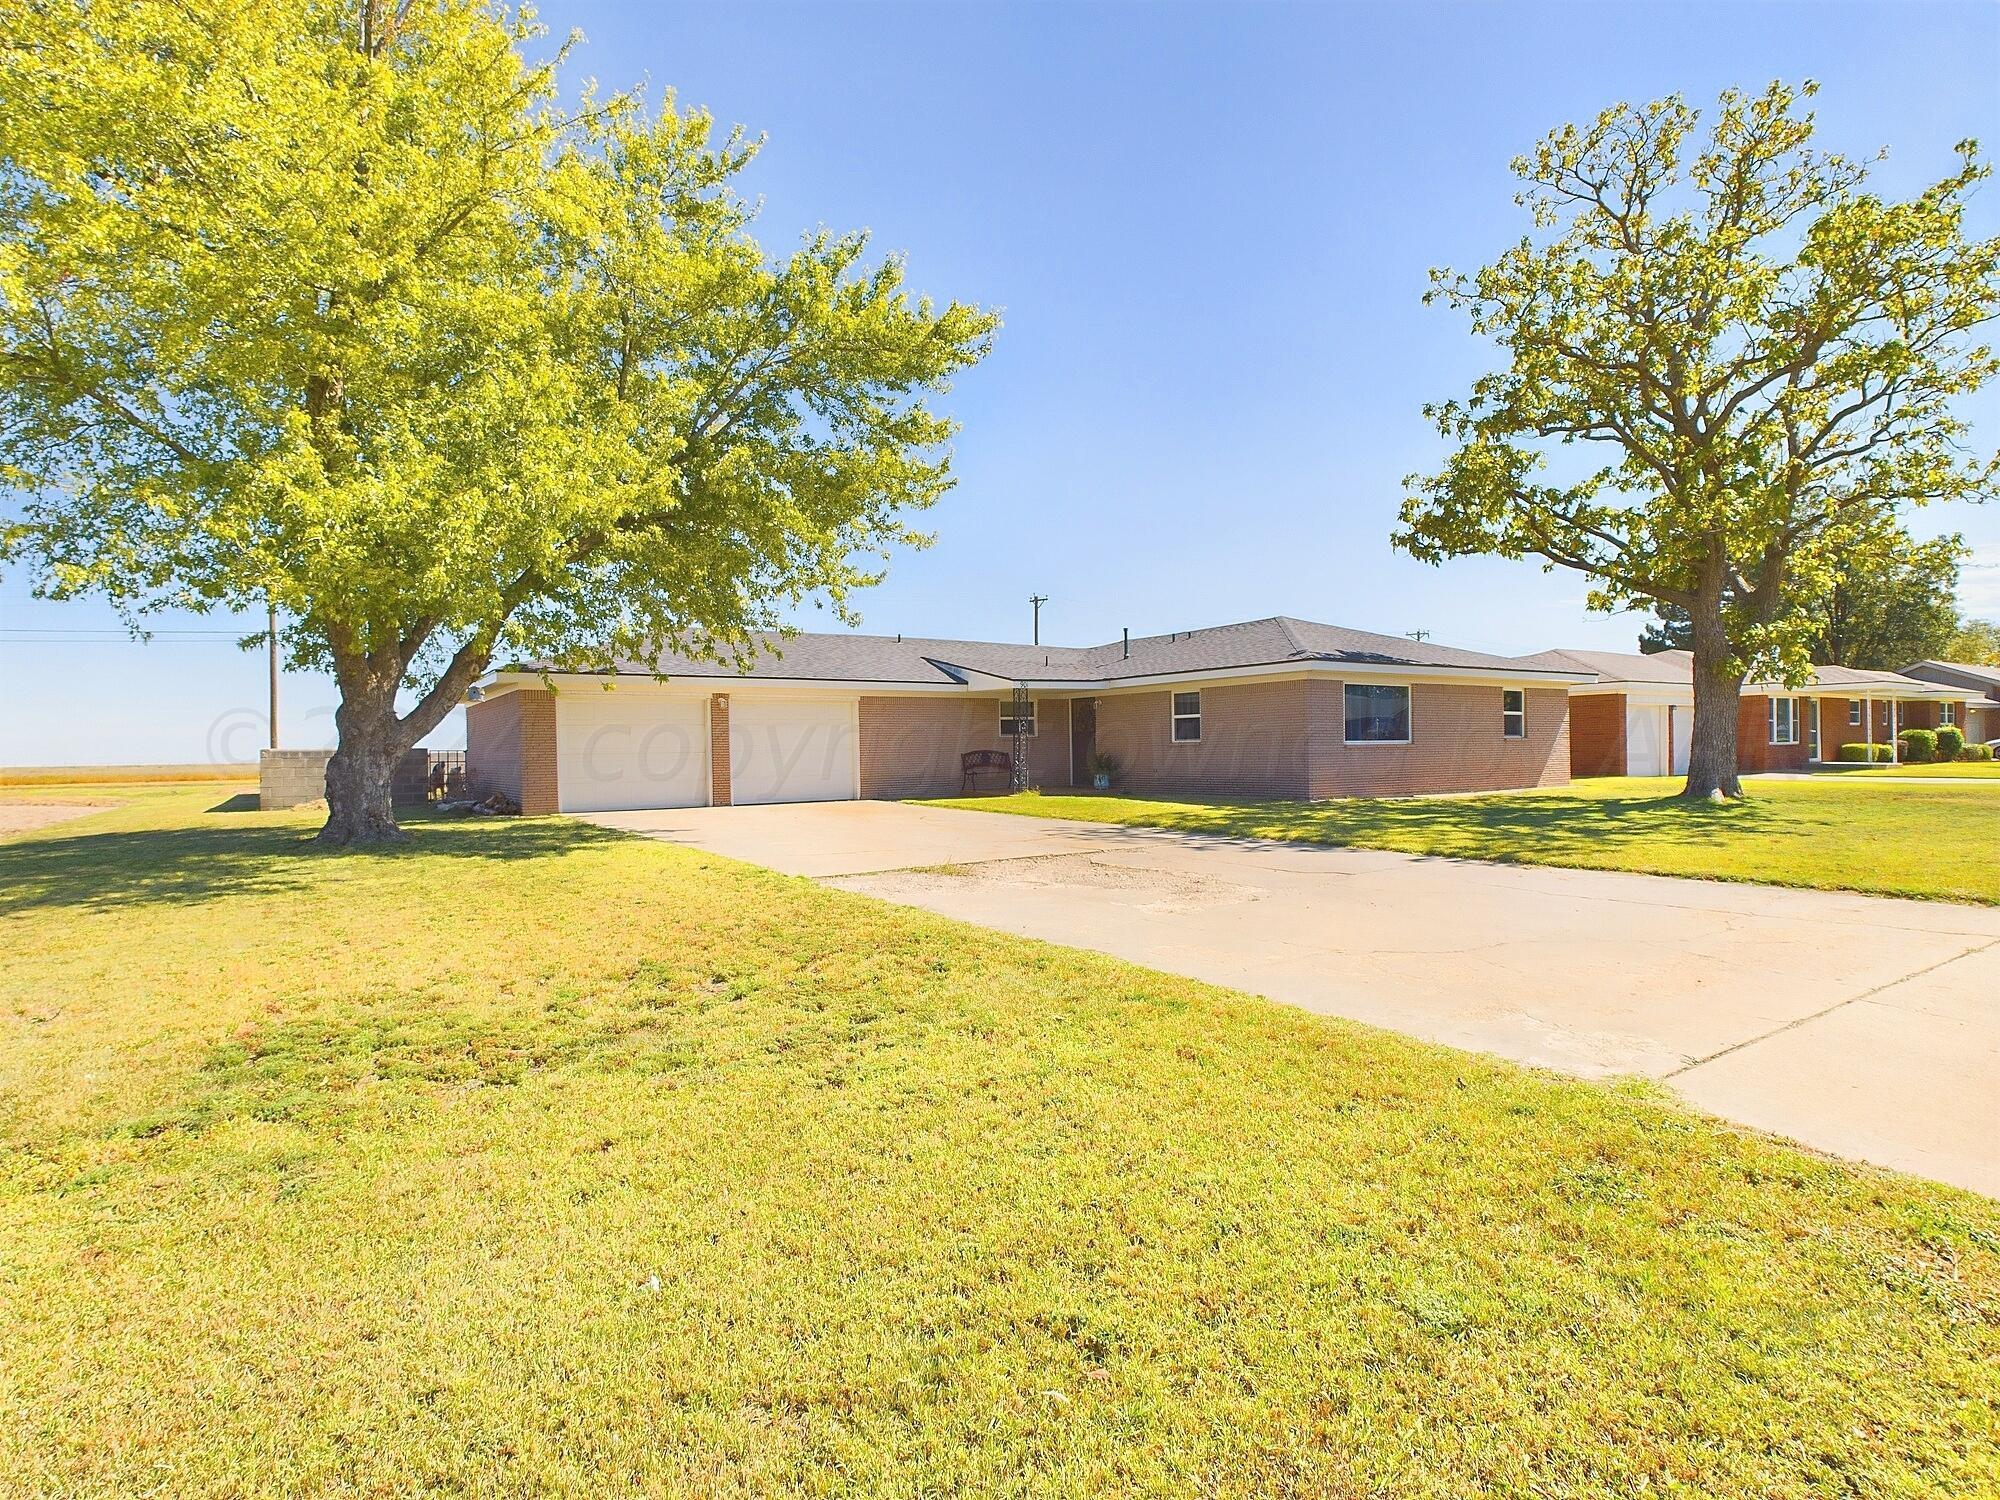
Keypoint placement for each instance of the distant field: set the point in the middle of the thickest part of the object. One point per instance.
(114, 775)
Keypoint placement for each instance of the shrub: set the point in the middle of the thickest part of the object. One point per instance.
(1919, 745)
(1858, 753)
(1104, 763)
(1950, 742)
(1976, 752)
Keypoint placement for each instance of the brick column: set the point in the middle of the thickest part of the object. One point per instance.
(538, 752)
(718, 749)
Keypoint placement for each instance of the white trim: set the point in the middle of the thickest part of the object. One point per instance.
(1506, 713)
(1771, 717)
(1409, 712)
(1174, 717)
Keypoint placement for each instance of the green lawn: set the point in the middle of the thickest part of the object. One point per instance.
(532, 1159)
(1937, 842)
(1978, 770)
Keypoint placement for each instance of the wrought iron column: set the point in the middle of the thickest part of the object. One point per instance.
(1019, 780)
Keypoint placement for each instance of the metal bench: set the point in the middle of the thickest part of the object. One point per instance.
(972, 762)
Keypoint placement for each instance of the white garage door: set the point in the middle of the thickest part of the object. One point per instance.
(790, 750)
(1645, 742)
(625, 750)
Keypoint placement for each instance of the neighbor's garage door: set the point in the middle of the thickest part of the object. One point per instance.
(626, 750)
(791, 750)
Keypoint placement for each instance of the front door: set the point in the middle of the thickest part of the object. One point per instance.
(1082, 739)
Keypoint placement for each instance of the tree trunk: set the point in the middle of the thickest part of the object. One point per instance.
(359, 810)
(1718, 692)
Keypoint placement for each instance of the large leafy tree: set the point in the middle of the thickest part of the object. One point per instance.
(1881, 609)
(1975, 643)
(1727, 364)
(330, 304)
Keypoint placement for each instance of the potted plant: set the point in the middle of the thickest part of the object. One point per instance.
(1104, 768)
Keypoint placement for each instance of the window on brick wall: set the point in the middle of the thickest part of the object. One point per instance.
(1784, 721)
(1007, 721)
(1187, 717)
(1947, 713)
(1854, 710)
(1514, 713)
(1377, 714)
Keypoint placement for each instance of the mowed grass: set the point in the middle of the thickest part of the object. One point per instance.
(1939, 842)
(1976, 770)
(535, 1160)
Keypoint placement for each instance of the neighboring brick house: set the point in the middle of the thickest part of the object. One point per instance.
(1269, 708)
(1981, 682)
(1637, 717)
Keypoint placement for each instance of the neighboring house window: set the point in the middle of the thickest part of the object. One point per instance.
(1377, 715)
(1947, 713)
(1187, 717)
(1854, 710)
(1514, 713)
(1784, 721)
(1007, 721)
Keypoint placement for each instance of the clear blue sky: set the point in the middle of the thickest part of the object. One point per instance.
(1208, 228)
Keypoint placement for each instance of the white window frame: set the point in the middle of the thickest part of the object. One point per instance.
(1854, 713)
(1507, 713)
(1007, 718)
(1176, 717)
(1948, 714)
(1791, 716)
(1409, 712)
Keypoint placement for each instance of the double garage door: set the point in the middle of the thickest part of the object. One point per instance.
(635, 749)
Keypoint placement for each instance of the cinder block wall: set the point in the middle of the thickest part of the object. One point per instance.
(1253, 741)
(1456, 745)
(910, 746)
(1597, 734)
(291, 778)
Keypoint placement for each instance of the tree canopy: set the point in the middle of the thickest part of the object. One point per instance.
(336, 305)
(1726, 365)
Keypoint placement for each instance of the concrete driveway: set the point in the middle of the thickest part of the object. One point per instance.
(1861, 1025)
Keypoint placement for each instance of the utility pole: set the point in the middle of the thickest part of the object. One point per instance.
(1419, 636)
(1038, 600)
(271, 645)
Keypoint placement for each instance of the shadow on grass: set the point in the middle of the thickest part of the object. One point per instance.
(199, 862)
(242, 802)
(1516, 829)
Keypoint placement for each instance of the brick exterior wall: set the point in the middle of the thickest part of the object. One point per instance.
(1455, 745)
(1597, 734)
(719, 786)
(1754, 750)
(910, 746)
(510, 747)
(1254, 741)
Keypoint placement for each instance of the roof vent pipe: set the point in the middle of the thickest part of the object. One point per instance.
(1128, 641)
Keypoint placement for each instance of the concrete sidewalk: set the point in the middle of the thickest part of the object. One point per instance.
(1861, 1025)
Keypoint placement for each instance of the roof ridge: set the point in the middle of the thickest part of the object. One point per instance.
(1284, 624)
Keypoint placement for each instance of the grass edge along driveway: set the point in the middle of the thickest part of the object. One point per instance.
(535, 1159)
(1933, 842)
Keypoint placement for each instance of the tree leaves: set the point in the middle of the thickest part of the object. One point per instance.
(1767, 354)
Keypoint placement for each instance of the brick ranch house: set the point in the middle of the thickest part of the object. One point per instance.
(1276, 708)
(1636, 717)
(1983, 682)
